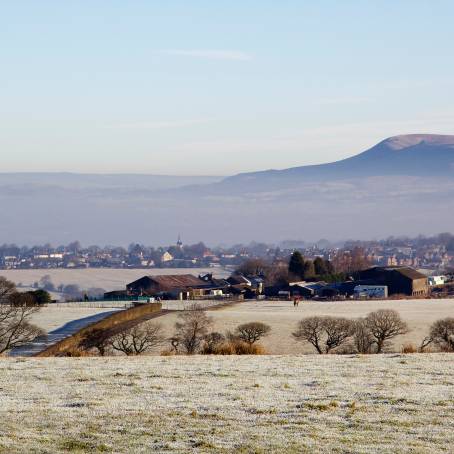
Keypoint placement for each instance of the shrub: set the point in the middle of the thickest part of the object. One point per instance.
(252, 332)
(255, 349)
(238, 347)
(442, 334)
(409, 348)
(211, 342)
(226, 348)
(40, 297)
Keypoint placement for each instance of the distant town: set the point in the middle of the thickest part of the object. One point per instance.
(435, 253)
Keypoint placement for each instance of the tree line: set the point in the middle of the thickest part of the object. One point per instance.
(193, 335)
(299, 268)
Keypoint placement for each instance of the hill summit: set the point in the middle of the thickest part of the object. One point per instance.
(410, 140)
(422, 155)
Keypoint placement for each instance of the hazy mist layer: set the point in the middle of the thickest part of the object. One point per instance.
(404, 185)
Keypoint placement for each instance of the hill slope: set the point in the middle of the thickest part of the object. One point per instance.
(425, 155)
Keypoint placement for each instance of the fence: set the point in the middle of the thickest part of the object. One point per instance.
(93, 304)
(173, 305)
(182, 305)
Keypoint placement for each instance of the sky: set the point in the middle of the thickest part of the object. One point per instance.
(217, 88)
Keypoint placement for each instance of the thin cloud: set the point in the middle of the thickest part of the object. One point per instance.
(344, 100)
(157, 124)
(211, 54)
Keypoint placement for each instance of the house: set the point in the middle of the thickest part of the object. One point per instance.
(116, 295)
(437, 280)
(307, 289)
(398, 279)
(166, 257)
(239, 279)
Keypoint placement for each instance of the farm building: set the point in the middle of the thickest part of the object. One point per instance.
(179, 286)
(437, 280)
(371, 291)
(398, 279)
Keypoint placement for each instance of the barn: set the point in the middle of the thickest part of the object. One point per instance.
(399, 280)
(179, 286)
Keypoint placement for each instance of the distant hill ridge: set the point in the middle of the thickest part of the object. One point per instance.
(403, 185)
(411, 155)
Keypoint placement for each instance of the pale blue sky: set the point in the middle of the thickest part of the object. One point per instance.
(217, 87)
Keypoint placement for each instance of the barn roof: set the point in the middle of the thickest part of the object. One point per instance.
(406, 271)
(170, 281)
(177, 280)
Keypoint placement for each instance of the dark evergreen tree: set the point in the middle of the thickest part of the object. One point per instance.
(296, 264)
(320, 266)
(309, 270)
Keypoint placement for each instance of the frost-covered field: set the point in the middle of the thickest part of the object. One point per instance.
(291, 404)
(283, 317)
(55, 316)
(106, 278)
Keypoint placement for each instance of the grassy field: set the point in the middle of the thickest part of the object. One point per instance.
(106, 278)
(280, 315)
(283, 317)
(291, 404)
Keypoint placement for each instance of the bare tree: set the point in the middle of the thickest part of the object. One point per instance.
(362, 337)
(175, 343)
(253, 267)
(138, 339)
(98, 339)
(383, 325)
(425, 343)
(46, 283)
(72, 291)
(15, 328)
(252, 332)
(7, 289)
(311, 330)
(191, 328)
(442, 334)
(338, 330)
(324, 333)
